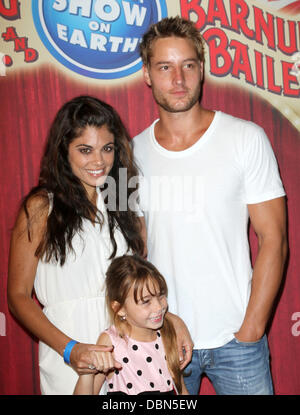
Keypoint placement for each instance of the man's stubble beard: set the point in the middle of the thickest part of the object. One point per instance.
(163, 102)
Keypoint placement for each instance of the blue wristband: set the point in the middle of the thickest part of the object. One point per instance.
(68, 350)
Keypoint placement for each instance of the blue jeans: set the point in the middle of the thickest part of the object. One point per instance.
(237, 368)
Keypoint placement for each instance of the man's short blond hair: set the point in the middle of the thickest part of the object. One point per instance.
(168, 27)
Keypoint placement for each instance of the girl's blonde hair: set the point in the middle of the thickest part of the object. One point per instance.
(133, 271)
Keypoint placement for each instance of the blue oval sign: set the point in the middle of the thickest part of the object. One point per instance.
(96, 38)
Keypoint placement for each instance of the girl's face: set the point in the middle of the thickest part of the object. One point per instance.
(91, 157)
(147, 315)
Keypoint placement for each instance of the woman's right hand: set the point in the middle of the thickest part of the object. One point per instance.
(84, 356)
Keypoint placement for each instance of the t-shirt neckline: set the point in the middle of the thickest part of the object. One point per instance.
(188, 151)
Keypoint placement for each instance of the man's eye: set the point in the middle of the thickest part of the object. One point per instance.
(189, 65)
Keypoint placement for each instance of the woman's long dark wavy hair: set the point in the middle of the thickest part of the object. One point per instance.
(70, 201)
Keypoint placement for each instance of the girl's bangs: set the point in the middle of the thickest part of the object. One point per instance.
(154, 284)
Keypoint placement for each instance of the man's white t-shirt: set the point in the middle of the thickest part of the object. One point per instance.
(195, 206)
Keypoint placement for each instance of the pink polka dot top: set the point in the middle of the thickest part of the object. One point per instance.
(144, 366)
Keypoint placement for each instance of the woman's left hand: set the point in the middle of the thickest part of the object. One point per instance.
(90, 358)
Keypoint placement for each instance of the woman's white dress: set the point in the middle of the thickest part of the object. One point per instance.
(73, 296)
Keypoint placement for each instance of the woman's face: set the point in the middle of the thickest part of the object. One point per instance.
(91, 157)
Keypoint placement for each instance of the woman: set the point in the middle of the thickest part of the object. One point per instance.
(65, 237)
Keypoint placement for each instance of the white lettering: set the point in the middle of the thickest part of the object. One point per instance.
(104, 27)
(101, 10)
(94, 25)
(171, 404)
(134, 197)
(98, 42)
(62, 32)
(78, 38)
(135, 14)
(60, 5)
(115, 41)
(84, 5)
(130, 44)
(110, 404)
(110, 193)
(296, 327)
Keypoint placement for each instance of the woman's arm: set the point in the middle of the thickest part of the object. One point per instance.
(21, 275)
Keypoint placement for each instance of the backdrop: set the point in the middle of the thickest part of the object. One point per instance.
(55, 50)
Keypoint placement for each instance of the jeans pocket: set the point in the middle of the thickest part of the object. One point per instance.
(249, 343)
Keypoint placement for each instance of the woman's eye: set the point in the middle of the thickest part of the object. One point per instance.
(108, 149)
(85, 150)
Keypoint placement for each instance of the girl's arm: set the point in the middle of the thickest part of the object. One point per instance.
(85, 385)
(92, 384)
(21, 275)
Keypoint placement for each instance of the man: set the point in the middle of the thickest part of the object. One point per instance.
(204, 173)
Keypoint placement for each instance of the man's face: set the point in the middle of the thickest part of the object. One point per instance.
(174, 74)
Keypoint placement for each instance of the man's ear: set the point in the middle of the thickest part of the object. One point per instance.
(202, 70)
(146, 75)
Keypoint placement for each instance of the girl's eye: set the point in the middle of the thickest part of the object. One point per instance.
(164, 68)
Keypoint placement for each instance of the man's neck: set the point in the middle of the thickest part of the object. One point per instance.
(179, 131)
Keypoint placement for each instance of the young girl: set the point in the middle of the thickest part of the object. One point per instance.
(142, 335)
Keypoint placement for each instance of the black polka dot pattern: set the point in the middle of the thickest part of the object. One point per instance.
(143, 368)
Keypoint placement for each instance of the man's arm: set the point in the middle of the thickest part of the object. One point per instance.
(184, 341)
(269, 222)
